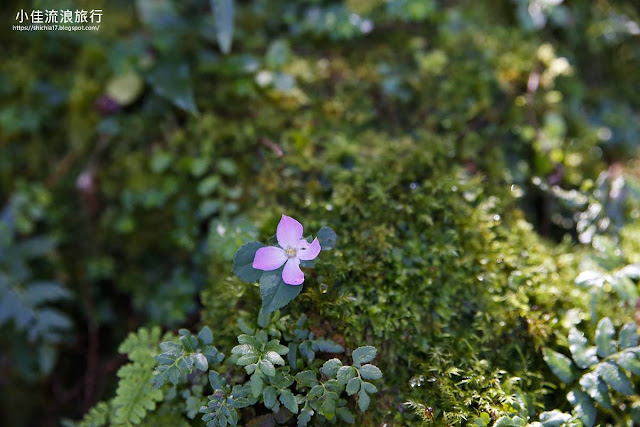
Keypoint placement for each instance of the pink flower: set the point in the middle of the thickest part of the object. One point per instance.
(293, 248)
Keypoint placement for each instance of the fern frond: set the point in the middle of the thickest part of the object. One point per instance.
(135, 395)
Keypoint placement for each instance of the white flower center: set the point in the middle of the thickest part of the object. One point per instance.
(291, 252)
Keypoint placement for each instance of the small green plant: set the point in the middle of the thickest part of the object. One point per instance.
(282, 375)
(597, 374)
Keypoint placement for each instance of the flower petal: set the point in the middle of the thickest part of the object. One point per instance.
(302, 244)
(269, 258)
(289, 232)
(292, 275)
(311, 252)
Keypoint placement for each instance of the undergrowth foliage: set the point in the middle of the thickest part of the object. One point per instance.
(284, 377)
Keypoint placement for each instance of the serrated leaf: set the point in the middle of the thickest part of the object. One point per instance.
(345, 373)
(629, 361)
(223, 11)
(370, 372)
(316, 391)
(363, 355)
(596, 388)
(353, 386)
(583, 407)
(560, 365)
(363, 400)
(615, 378)
(327, 238)
(274, 358)
(243, 262)
(216, 380)
(369, 388)
(305, 416)
(256, 385)
(605, 334)
(269, 395)
(307, 378)
(628, 335)
(274, 292)
(289, 401)
(267, 368)
(583, 356)
(329, 408)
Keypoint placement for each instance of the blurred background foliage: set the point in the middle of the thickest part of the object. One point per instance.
(473, 157)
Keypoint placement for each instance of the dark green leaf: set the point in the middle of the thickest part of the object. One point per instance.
(596, 388)
(206, 336)
(288, 400)
(363, 355)
(363, 400)
(353, 386)
(615, 378)
(583, 356)
(605, 333)
(274, 292)
(560, 365)
(583, 407)
(629, 335)
(243, 262)
(370, 372)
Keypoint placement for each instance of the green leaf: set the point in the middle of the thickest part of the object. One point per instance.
(583, 356)
(345, 373)
(629, 335)
(289, 401)
(267, 368)
(275, 358)
(346, 415)
(327, 346)
(316, 391)
(256, 385)
(353, 386)
(369, 388)
(363, 355)
(370, 372)
(269, 395)
(363, 400)
(504, 422)
(615, 378)
(554, 418)
(307, 378)
(216, 380)
(206, 336)
(173, 81)
(327, 238)
(593, 385)
(200, 361)
(305, 415)
(560, 365)
(274, 292)
(243, 262)
(605, 333)
(583, 407)
(629, 361)
(223, 11)
(329, 408)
